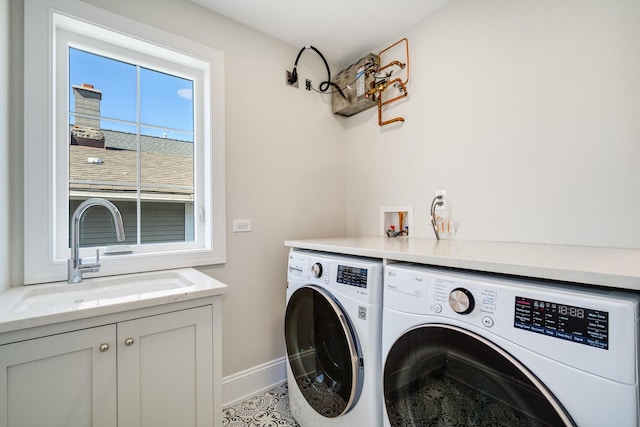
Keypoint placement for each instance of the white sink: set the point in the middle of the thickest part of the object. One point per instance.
(35, 305)
(100, 291)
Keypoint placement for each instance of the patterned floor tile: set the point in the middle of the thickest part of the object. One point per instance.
(268, 409)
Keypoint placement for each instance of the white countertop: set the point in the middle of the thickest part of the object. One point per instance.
(610, 267)
(29, 306)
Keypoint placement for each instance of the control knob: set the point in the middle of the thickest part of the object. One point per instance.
(316, 270)
(461, 301)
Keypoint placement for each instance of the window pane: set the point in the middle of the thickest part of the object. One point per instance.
(166, 174)
(108, 86)
(102, 163)
(165, 222)
(166, 101)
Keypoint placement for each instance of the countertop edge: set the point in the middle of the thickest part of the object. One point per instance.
(576, 264)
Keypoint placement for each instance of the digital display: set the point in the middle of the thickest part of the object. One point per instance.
(352, 276)
(567, 322)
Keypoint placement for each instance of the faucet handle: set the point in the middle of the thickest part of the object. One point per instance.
(95, 266)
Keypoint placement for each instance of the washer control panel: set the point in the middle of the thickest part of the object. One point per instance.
(413, 290)
(571, 324)
(352, 276)
(460, 299)
(355, 277)
(568, 322)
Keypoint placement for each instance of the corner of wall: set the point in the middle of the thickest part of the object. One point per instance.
(14, 199)
(5, 87)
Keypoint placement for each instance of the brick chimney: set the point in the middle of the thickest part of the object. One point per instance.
(86, 131)
(87, 100)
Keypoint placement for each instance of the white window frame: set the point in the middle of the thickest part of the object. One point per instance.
(50, 27)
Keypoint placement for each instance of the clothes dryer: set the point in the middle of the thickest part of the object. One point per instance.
(333, 339)
(473, 349)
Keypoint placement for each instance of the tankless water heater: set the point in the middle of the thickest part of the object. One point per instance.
(355, 83)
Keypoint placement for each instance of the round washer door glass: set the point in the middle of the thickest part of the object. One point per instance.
(322, 351)
(445, 375)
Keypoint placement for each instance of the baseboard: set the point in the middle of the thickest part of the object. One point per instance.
(244, 384)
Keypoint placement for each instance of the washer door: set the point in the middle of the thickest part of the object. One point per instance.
(323, 351)
(445, 375)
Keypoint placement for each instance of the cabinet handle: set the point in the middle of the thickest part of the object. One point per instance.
(128, 342)
(104, 347)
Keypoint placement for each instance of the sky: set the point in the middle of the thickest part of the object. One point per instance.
(165, 100)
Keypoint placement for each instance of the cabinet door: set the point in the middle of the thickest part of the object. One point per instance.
(64, 380)
(165, 370)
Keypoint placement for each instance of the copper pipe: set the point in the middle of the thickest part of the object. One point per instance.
(406, 41)
(380, 122)
(403, 90)
(398, 63)
(381, 87)
(381, 104)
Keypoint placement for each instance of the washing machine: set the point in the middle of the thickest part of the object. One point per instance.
(333, 339)
(470, 349)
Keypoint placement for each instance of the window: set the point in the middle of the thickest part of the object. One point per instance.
(131, 142)
(124, 112)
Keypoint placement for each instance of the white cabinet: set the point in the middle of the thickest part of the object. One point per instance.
(165, 370)
(60, 381)
(147, 371)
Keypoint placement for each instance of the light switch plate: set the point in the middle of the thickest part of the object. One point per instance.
(241, 225)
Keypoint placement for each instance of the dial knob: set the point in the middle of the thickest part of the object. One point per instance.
(461, 301)
(316, 269)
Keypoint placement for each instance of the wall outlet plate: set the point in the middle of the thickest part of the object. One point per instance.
(288, 80)
(442, 193)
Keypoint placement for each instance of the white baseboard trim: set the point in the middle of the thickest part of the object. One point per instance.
(242, 385)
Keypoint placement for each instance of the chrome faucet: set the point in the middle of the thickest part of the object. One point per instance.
(75, 266)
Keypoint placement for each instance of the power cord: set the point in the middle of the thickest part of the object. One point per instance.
(325, 85)
(367, 66)
(437, 201)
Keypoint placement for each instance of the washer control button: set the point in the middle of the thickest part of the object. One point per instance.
(316, 270)
(461, 301)
(437, 308)
(487, 321)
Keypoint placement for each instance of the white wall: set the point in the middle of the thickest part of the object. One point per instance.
(527, 112)
(5, 90)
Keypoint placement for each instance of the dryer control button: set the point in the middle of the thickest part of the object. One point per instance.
(487, 321)
(437, 308)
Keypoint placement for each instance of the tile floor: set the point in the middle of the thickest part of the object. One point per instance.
(268, 409)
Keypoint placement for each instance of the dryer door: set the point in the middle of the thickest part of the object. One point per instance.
(323, 351)
(444, 375)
